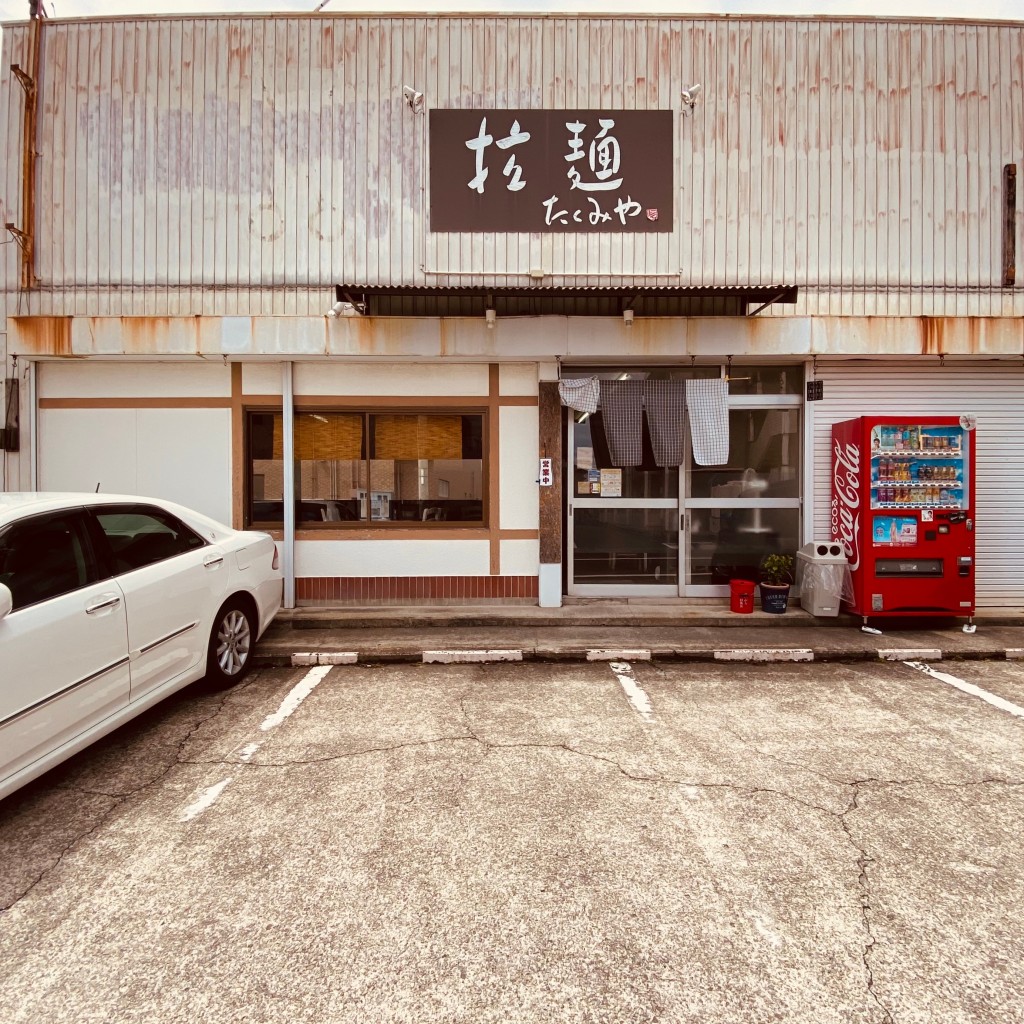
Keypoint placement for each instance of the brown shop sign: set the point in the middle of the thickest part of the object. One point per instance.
(551, 170)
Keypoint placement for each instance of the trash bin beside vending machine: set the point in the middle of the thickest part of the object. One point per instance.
(823, 575)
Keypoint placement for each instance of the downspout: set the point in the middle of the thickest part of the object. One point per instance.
(288, 487)
(29, 81)
(33, 426)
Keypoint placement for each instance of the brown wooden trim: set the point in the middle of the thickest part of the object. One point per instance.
(135, 403)
(238, 466)
(494, 465)
(398, 532)
(518, 400)
(372, 403)
(270, 401)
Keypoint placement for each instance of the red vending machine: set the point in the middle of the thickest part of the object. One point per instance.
(903, 508)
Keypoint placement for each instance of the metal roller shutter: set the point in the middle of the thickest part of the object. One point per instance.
(992, 391)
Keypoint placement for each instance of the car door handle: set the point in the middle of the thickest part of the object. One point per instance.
(212, 560)
(105, 602)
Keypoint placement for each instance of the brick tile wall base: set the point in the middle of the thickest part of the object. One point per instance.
(415, 589)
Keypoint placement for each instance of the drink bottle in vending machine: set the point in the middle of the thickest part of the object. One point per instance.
(903, 508)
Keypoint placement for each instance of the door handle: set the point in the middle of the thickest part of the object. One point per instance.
(106, 601)
(212, 560)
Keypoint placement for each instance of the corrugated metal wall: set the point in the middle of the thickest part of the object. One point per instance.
(911, 390)
(228, 165)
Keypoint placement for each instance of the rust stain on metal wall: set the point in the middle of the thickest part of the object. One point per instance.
(43, 335)
(949, 335)
(144, 334)
(933, 335)
(184, 156)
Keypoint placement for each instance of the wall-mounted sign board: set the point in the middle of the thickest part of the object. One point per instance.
(551, 170)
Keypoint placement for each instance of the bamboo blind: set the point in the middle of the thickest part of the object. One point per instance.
(417, 437)
(336, 437)
(331, 437)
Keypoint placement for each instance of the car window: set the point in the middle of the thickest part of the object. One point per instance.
(44, 557)
(142, 536)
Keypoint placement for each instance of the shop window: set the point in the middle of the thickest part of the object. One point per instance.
(378, 468)
(766, 380)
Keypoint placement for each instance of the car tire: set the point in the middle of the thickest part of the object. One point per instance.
(229, 655)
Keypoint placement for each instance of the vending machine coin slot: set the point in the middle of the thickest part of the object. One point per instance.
(909, 567)
(963, 565)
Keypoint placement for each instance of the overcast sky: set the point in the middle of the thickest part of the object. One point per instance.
(1010, 10)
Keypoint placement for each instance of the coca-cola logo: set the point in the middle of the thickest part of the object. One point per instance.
(846, 499)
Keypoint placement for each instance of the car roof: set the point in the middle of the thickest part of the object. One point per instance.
(49, 501)
(15, 504)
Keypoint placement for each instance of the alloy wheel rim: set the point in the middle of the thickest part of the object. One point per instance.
(233, 639)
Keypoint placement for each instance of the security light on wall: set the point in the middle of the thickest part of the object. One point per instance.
(689, 97)
(413, 97)
(337, 309)
(491, 316)
(627, 317)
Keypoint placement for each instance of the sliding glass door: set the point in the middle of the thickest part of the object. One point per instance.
(686, 531)
(623, 524)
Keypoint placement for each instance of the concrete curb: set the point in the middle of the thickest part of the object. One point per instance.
(401, 655)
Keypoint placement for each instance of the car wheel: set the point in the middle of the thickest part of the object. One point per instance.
(231, 643)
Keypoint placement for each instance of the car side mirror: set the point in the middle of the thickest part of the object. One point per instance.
(6, 600)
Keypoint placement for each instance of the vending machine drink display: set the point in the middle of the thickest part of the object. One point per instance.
(903, 509)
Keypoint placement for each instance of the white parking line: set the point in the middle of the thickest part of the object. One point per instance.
(305, 686)
(975, 691)
(637, 697)
(302, 689)
(206, 800)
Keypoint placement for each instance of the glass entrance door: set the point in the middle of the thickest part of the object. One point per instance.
(687, 531)
(623, 524)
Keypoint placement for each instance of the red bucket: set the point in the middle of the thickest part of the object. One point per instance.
(741, 596)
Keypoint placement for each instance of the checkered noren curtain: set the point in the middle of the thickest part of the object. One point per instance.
(707, 402)
(623, 403)
(622, 410)
(580, 393)
(665, 403)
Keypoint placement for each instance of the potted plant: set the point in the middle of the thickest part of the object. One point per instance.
(776, 577)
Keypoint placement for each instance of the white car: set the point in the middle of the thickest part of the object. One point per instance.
(110, 603)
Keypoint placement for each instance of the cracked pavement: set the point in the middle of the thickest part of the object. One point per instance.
(819, 843)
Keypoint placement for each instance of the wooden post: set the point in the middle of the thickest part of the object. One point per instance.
(550, 414)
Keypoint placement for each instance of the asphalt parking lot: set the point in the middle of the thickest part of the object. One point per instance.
(533, 842)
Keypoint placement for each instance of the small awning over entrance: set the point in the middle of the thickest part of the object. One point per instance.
(385, 300)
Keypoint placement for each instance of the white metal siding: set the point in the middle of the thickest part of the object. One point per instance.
(230, 165)
(994, 392)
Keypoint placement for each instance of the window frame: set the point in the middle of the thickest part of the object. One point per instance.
(94, 569)
(366, 411)
(105, 554)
